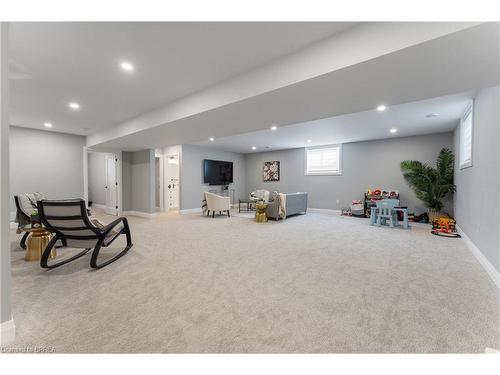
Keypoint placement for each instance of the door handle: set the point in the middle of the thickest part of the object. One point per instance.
(105, 187)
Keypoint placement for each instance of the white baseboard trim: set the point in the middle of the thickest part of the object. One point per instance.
(488, 267)
(190, 211)
(198, 210)
(140, 214)
(324, 211)
(7, 332)
(13, 216)
(100, 206)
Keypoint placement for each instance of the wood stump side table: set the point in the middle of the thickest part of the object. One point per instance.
(260, 212)
(36, 243)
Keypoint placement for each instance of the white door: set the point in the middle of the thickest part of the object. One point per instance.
(157, 184)
(172, 181)
(111, 186)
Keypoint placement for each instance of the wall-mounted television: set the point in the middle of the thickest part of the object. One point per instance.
(216, 172)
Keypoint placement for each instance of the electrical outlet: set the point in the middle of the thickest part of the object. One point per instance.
(337, 201)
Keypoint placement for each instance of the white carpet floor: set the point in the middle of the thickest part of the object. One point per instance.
(316, 283)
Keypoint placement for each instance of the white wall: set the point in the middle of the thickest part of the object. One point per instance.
(177, 149)
(371, 164)
(192, 186)
(138, 180)
(366, 165)
(7, 328)
(45, 161)
(477, 200)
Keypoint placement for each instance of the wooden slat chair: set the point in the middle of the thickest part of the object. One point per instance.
(69, 221)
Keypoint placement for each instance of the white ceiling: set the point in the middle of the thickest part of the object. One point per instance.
(409, 119)
(461, 62)
(55, 63)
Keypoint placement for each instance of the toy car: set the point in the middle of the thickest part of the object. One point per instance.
(444, 226)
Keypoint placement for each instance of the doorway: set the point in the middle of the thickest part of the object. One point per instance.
(159, 193)
(111, 185)
(102, 180)
(172, 181)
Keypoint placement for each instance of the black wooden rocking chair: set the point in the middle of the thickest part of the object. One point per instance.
(69, 221)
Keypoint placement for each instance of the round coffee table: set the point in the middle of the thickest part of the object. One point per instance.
(260, 212)
(36, 243)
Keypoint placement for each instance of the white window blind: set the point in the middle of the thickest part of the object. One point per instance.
(466, 129)
(324, 160)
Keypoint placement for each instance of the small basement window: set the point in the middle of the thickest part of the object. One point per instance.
(324, 160)
(466, 132)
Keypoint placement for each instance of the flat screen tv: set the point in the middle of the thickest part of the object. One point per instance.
(216, 172)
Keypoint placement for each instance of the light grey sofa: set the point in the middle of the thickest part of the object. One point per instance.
(296, 203)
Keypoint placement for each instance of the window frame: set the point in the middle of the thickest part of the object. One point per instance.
(468, 112)
(339, 173)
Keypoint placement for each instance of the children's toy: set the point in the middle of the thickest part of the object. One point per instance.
(401, 213)
(357, 208)
(372, 196)
(383, 212)
(444, 226)
(423, 218)
(345, 211)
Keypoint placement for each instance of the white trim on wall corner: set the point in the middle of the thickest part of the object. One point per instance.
(7, 332)
(100, 206)
(190, 211)
(140, 214)
(488, 267)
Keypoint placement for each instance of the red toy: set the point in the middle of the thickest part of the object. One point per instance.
(444, 226)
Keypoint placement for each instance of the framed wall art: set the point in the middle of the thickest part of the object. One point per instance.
(271, 171)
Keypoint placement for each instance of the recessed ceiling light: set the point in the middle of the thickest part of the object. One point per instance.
(274, 127)
(74, 105)
(430, 115)
(126, 66)
(381, 108)
(47, 125)
(309, 140)
(254, 148)
(211, 139)
(393, 130)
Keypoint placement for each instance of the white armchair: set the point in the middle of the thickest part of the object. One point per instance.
(217, 203)
(259, 195)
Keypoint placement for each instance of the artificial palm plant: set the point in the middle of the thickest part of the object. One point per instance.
(431, 184)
